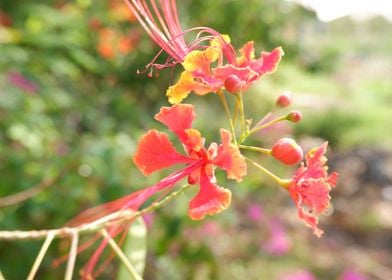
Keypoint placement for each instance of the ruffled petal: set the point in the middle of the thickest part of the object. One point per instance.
(200, 61)
(229, 158)
(210, 200)
(332, 179)
(312, 193)
(310, 187)
(315, 157)
(193, 142)
(155, 151)
(311, 196)
(315, 164)
(268, 62)
(177, 118)
(178, 92)
(243, 73)
(311, 221)
(247, 53)
(220, 41)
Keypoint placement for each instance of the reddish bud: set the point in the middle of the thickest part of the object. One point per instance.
(294, 116)
(287, 151)
(284, 99)
(233, 84)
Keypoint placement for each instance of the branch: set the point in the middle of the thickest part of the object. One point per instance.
(34, 190)
(41, 255)
(72, 257)
(108, 220)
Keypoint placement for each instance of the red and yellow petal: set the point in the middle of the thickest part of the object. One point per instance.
(247, 53)
(243, 73)
(210, 200)
(177, 118)
(230, 159)
(220, 41)
(178, 92)
(194, 142)
(155, 152)
(200, 60)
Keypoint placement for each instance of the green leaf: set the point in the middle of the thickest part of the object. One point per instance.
(134, 248)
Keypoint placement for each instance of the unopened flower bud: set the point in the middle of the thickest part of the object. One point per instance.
(233, 84)
(287, 151)
(284, 99)
(294, 116)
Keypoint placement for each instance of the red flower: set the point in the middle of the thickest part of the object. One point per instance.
(310, 187)
(207, 68)
(155, 152)
(233, 73)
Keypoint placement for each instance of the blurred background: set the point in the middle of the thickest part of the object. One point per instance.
(72, 109)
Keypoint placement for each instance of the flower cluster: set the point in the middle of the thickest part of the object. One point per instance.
(215, 67)
(206, 68)
(212, 65)
(310, 186)
(155, 151)
(206, 71)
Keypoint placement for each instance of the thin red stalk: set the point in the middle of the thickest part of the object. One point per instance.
(142, 197)
(167, 44)
(114, 231)
(172, 25)
(148, 23)
(81, 248)
(94, 259)
(175, 13)
(160, 18)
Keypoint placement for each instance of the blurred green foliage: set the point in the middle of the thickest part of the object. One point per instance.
(70, 99)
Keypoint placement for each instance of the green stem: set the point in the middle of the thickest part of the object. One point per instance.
(282, 182)
(128, 265)
(268, 124)
(242, 114)
(256, 149)
(227, 110)
(236, 110)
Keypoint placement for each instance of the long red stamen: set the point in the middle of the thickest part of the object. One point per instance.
(160, 21)
(132, 201)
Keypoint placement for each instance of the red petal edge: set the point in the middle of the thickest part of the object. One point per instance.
(177, 118)
(230, 159)
(155, 151)
(210, 200)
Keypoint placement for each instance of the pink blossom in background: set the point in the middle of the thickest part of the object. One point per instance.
(278, 243)
(255, 212)
(211, 228)
(350, 274)
(21, 82)
(298, 275)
